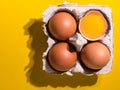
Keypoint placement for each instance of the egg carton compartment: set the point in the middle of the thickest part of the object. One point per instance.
(78, 40)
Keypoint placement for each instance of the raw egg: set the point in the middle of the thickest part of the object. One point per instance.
(93, 25)
(62, 56)
(62, 25)
(95, 55)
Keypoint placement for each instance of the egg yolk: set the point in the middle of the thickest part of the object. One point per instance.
(93, 25)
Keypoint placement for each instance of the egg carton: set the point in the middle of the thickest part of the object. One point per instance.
(78, 40)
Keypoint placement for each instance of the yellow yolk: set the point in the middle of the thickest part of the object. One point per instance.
(93, 25)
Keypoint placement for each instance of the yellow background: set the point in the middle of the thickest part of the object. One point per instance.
(22, 43)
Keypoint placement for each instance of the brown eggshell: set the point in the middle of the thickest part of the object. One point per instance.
(95, 55)
(62, 56)
(62, 25)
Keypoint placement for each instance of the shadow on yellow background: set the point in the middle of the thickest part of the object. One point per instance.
(37, 44)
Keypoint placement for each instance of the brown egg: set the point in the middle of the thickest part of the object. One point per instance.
(62, 25)
(62, 56)
(95, 55)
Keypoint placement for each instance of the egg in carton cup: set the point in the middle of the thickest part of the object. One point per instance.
(90, 32)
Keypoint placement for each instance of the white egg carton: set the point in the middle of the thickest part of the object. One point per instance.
(77, 40)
